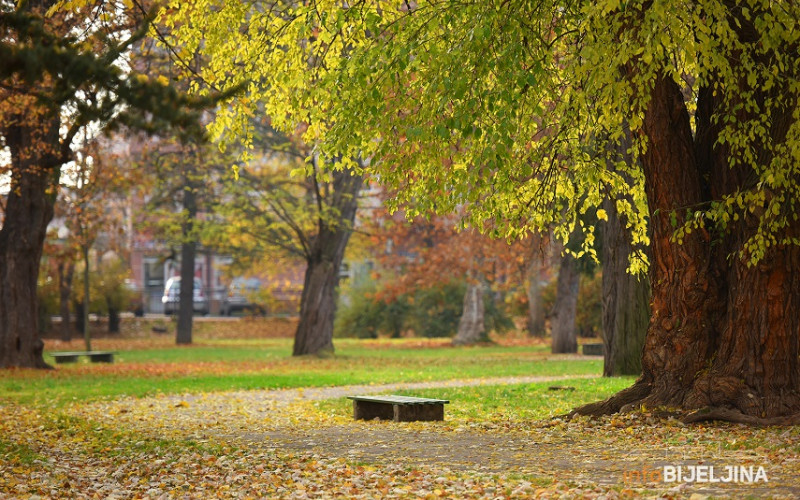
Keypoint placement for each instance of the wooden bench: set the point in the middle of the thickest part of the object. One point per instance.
(593, 349)
(94, 356)
(397, 408)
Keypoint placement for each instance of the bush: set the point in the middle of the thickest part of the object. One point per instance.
(428, 312)
(360, 314)
(437, 310)
(107, 288)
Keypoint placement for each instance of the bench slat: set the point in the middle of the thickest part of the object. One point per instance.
(401, 400)
(94, 356)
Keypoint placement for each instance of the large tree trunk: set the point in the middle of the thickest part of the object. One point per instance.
(471, 326)
(28, 211)
(724, 337)
(188, 254)
(562, 325)
(314, 333)
(66, 271)
(626, 301)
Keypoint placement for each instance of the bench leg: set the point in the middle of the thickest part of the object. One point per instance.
(66, 359)
(367, 410)
(105, 357)
(413, 413)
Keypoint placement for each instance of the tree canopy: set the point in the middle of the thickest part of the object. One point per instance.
(506, 107)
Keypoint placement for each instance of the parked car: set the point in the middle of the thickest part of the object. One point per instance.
(242, 294)
(172, 295)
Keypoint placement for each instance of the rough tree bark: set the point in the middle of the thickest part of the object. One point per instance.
(471, 326)
(626, 301)
(314, 333)
(35, 157)
(562, 324)
(724, 337)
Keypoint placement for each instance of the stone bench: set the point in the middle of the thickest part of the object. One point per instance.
(94, 356)
(398, 408)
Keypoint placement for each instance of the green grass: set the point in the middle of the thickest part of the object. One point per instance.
(221, 365)
(486, 403)
(16, 453)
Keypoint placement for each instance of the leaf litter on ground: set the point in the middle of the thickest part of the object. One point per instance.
(294, 444)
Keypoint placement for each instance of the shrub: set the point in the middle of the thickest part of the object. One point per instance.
(428, 312)
(360, 314)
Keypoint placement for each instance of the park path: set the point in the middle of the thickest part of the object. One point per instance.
(605, 453)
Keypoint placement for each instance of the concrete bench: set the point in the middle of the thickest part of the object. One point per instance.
(397, 408)
(94, 356)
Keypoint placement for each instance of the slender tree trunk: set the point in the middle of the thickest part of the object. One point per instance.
(533, 290)
(314, 333)
(724, 336)
(188, 254)
(113, 319)
(66, 271)
(626, 301)
(564, 331)
(28, 211)
(471, 326)
(87, 339)
(78, 306)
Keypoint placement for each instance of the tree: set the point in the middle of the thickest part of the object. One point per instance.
(281, 208)
(89, 200)
(472, 325)
(56, 80)
(324, 258)
(183, 176)
(491, 107)
(188, 253)
(335, 181)
(626, 298)
(186, 170)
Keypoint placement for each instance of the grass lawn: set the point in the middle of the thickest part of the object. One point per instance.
(505, 402)
(148, 366)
